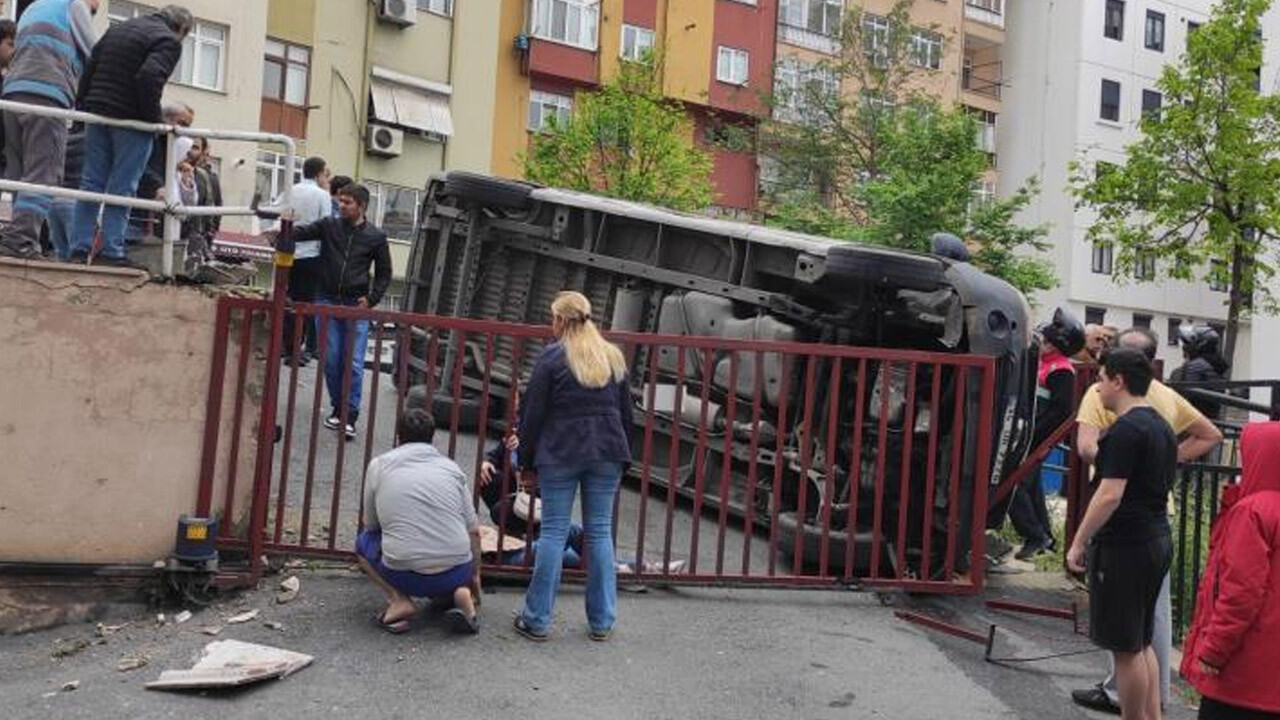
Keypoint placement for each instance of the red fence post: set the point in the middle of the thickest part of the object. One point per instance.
(270, 392)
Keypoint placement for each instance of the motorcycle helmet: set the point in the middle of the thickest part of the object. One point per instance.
(1064, 332)
(1199, 340)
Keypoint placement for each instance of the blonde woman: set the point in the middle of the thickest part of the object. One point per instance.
(575, 425)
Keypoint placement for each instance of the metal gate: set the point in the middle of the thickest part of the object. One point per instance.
(756, 463)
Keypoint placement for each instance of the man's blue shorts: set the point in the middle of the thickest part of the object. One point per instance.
(413, 584)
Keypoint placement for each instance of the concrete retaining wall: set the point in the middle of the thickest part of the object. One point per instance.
(103, 380)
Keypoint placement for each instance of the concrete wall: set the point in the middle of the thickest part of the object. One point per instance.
(103, 381)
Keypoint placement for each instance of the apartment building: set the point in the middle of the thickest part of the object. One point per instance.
(370, 87)
(717, 59)
(1081, 74)
(956, 46)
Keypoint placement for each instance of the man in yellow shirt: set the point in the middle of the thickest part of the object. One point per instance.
(1197, 436)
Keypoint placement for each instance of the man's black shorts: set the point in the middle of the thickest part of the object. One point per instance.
(1124, 584)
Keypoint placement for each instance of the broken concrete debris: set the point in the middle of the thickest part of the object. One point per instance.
(71, 685)
(182, 617)
(132, 662)
(243, 617)
(107, 630)
(68, 646)
(231, 663)
(211, 629)
(289, 588)
(273, 625)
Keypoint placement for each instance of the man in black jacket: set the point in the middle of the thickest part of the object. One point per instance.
(125, 78)
(349, 248)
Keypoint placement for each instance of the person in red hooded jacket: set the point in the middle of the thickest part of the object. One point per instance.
(1232, 650)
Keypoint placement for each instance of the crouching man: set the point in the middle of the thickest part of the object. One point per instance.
(420, 538)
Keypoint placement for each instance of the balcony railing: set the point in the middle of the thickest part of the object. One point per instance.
(806, 38)
(982, 79)
(990, 12)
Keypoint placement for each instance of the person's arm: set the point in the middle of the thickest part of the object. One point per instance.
(215, 187)
(372, 481)
(1091, 418)
(82, 29)
(1199, 434)
(310, 231)
(533, 408)
(1087, 442)
(86, 76)
(381, 273)
(627, 409)
(1242, 586)
(154, 73)
(1101, 508)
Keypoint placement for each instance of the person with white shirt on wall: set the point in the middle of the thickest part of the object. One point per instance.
(309, 200)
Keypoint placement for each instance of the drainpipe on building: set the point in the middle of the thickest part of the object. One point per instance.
(366, 66)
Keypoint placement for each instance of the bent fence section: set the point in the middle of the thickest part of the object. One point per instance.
(756, 463)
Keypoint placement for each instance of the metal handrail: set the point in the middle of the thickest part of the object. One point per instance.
(171, 211)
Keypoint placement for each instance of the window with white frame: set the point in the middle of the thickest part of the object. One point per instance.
(204, 50)
(984, 193)
(393, 208)
(876, 102)
(439, 7)
(732, 65)
(986, 129)
(875, 39)
(573, 22)
(926, 49)
(1103, 258)
(637, 42)
(800, 89)
(818, 16)
(544, 106)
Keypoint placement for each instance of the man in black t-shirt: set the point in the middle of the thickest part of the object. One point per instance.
(1125, 531)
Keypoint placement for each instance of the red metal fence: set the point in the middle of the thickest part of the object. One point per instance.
(756, 463)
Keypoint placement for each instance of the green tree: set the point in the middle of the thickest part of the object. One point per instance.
(625, 141)
(1201, 189)
(888, 163)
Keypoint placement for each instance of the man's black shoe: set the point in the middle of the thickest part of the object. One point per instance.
(78, 258)
(120, 262)
(1033, 548)
(1095, 698)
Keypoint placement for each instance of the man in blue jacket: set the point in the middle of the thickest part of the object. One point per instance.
(54, 39)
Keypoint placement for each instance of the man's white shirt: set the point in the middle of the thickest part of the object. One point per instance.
(309, 203)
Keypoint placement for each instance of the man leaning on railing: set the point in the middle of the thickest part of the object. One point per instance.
(54, 39)
(125, 78)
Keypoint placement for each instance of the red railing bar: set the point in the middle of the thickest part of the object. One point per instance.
(456, 395)
(833, 422)
(287, 441)
(753, 465)
(372, 421)
(982, 476)
(904, 488)
(931, 472)
(726, 461)
(778, 461)
(806, 460)
(953, 494)
(344, 417)
(322, 340)
(699, 459)
(673, 455)
(855, 473)
(646, 459)
(882, 438)
(213, 408)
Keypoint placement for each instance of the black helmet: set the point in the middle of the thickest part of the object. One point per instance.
(1065, 332)
(949, 246)
(1199, 340)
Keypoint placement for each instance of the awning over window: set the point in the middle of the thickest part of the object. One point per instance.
(410, 102)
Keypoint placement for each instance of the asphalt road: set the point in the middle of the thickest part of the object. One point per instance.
(317, 477)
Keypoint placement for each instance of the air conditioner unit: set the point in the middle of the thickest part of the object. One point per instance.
(398, 12)
(384, 141)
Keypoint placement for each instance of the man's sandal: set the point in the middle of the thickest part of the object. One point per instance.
(397, 627)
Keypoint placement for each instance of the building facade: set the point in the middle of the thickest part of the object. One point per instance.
(1081, 76)
(716, 58)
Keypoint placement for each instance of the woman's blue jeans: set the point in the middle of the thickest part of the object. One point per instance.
(559, 485)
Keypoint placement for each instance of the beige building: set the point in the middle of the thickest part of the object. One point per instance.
(368, 86)
(957, 46)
